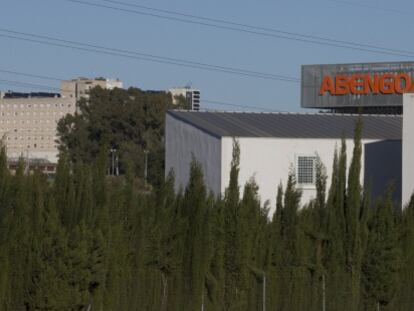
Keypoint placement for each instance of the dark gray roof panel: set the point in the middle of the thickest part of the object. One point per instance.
(290, 125)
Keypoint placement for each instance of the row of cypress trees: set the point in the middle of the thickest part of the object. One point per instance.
(92, 242)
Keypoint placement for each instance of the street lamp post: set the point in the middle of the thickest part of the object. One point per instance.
(113, 151)
(264, 291)
(117, 165)
(146, 166)
(323, 293)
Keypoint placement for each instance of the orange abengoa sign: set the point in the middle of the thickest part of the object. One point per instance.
(363, 84)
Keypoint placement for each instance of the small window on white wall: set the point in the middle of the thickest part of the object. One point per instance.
(305, 170)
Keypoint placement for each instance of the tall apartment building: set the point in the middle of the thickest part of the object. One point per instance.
(28, 121)
(192, 96)
(28, 125)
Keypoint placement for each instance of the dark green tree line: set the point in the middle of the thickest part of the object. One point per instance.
(88, 241)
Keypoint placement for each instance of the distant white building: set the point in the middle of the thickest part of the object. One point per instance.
(271, 144)
(192, 96)
(80, 87)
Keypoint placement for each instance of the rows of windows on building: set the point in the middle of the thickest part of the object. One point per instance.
(191, 96)
(28, 105)
(28, 121)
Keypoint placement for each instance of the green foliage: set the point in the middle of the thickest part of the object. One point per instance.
(354, 223)
(88, 241)
(130, 121)
(381, 258)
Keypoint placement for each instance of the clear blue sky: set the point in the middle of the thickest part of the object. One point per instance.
(326, 18)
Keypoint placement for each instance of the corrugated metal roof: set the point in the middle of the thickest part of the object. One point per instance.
(290, 125)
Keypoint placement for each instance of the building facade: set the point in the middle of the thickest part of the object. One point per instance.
(274, 144)
(28, 121)
(28, 125)
(80, 87)
(191, 96)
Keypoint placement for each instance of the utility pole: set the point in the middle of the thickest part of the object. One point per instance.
(27, 168)
(264, 291)
(202, 301)
(117, 165)
(112, 171)
(323, 293)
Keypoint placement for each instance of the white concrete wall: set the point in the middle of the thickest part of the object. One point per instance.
(268, 160)
(408, 148)
(183, 140)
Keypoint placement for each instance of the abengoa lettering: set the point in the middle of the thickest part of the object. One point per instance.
(363, 84)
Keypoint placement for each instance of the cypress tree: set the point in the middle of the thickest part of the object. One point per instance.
(275, 231)
(289, 220)
(64, 192)
(5, 214)
(353, 218)
(254, 220)
(197, 238)
(231, 254)
(335, 228)
(275, 250)
(165, 248)
(19, 226)
(50, 288)
(406, 275)
(215, 274)
(379, 269)
(313, 220)
(292, 274)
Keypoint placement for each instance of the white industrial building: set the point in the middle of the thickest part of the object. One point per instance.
(271, 144)
(408, 149)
